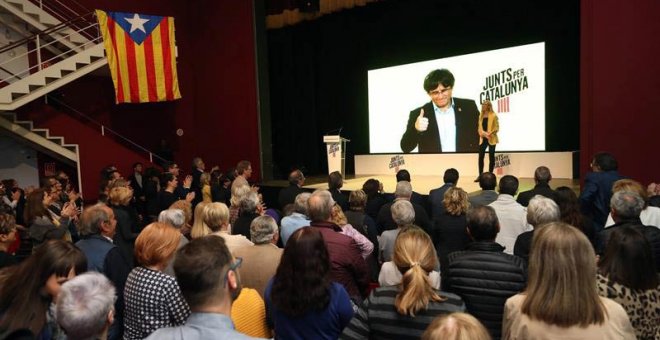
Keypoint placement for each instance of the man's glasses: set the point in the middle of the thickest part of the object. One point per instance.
(442, 92)
(233, 267)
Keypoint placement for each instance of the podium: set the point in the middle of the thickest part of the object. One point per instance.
(336, 151)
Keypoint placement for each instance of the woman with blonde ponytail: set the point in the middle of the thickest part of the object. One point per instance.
(405, 311)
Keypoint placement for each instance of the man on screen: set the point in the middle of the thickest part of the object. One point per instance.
(445, 124)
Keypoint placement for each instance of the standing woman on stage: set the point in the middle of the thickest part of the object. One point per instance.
(488, 127)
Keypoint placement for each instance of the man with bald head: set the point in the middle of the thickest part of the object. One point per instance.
(288, 194)
(542, 179)
(347, 265)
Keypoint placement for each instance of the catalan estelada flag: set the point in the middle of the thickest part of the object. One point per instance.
(141, 55)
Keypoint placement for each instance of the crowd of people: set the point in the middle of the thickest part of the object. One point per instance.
(167, 256)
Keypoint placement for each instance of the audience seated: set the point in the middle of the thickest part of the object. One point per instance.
(626, 208)
(561, 300)
(288, 195)
(29, 290)
(542, 177)
(487, 194)
(456, 326)
(85, 307)
(649, 215)
(541, 210)
(437, 196)
(303, 300)
(357, 217)
(403, 215)
(335, 182)
(391, 276)
(298, 217)
(449, 229)
(483, 275)
(348, 268)
(512, 215)
(260, 260)
(404, 311)
(216, 217)
(569, 208)
(209, 280)
(375, 198)
(627, 274)
(404, 175)
(316, 287)
(153, 299)
(597, 190)
(403, 192)
(338, 218)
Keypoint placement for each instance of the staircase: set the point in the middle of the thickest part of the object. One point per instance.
(39, 138)
(65, 51)
(38, 84)
(42, 20)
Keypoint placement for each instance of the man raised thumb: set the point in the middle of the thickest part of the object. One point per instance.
(422, 123)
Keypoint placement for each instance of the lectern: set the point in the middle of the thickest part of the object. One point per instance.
(336, 151)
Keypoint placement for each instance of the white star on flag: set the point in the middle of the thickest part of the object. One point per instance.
(137, 23)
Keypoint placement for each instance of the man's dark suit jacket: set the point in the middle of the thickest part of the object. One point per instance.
(386, 222)
(651, 233)
(467, 139)
(288, 195)
(542, 189)
(596, 194)
(436, 196)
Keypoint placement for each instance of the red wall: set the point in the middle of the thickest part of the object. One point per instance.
(95, 150)
(620, 84)
(217, 78)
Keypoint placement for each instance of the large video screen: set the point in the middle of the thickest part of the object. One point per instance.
(513, 79)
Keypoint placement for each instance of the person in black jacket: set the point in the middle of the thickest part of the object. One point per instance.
(288, 195)
(541, 210)
(542, 177)
(483, 275)
(626, 207)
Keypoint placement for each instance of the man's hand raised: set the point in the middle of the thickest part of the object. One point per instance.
(422, 123)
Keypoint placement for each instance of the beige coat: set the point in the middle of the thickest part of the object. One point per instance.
(259, 265)
(517, 325)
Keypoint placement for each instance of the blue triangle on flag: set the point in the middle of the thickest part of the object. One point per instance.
(136, 22)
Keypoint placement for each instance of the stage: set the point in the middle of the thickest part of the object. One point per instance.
(424, 184)
(426, 171)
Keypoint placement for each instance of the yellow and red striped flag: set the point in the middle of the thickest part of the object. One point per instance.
(141, 56)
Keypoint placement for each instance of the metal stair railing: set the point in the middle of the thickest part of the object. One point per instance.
(61, 10)
(45, 40)
(106, 131)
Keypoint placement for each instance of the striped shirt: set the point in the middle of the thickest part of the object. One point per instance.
(377, 318)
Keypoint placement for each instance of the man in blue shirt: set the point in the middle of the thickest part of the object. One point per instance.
(207, 275)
